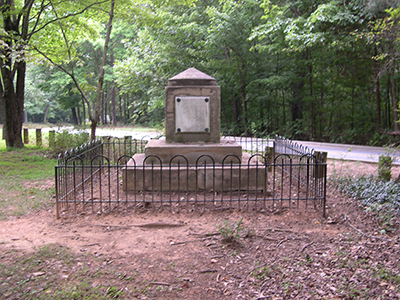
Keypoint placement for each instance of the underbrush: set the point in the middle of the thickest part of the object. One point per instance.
(64, 141)
(376, 195)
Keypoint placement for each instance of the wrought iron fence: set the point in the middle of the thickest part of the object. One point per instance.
(107, 176)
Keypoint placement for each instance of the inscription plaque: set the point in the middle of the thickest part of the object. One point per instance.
(192, 114)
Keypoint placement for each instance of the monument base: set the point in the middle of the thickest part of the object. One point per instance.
(218, 151)
(137, 176)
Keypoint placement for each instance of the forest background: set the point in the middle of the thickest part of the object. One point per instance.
(311, 69)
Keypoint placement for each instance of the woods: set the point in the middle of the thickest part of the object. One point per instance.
(312, 69)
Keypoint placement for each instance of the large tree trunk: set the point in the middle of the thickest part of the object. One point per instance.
(13, 103)
(12, 85)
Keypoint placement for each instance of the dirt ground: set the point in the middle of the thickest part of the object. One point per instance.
(292, 254)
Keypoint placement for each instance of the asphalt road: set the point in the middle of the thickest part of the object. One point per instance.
(353, 152)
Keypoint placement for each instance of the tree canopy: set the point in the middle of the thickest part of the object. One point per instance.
(311, 69)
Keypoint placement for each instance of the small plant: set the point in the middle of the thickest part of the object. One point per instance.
(232, 231)
(114, 292)
(385, 168)
(262, 272)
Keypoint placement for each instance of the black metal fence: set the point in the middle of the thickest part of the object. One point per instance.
(106, 175)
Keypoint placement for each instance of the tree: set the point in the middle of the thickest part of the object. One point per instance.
(22, 22)
(69, 61)
(14, 36)
(94, 107)
(387, 29)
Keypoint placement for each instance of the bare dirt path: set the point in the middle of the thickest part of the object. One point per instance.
(292, 254)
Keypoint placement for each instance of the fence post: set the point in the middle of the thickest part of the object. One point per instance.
(270, 156)
(38, 137)
(127, 144)
(320, 158)
(52, 138)
(26, 136)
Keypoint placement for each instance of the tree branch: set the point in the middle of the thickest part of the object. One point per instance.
(70, 75)
(66, 16)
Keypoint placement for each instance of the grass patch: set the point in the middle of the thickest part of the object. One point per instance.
(26, 181)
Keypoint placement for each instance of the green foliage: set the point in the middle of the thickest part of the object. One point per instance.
(379, 196)
(313, 69)
(65, 140)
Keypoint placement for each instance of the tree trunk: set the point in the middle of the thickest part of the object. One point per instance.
(114, 113)
(378, 91)
(13, 100)
(283, 107)
(97, 106)
(309, 65)
(78, 115)
(105, 109)
(235, 109)
(393, 86)
(83, 111)
(45, 113)
(74, 116)
(123, 113)
(132, 109)
(12, 85)
(93, 126)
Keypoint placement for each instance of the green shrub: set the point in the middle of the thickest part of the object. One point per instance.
(65, 141)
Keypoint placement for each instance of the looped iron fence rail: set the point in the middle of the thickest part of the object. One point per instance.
(272, 175)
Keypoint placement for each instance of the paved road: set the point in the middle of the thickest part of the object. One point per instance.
(353, 152)
(337, 151)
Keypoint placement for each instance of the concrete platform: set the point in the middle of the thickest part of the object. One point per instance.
(166, 151)
(182, 177)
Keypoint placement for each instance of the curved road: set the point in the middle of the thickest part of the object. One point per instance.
(353, 152)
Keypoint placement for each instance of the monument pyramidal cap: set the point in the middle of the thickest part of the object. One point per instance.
(192, 74)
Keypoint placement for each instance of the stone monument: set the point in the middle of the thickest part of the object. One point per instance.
(192, 130)
(192, 120)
